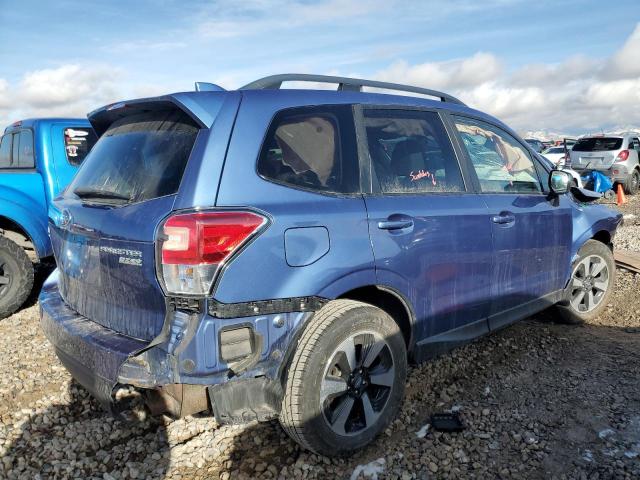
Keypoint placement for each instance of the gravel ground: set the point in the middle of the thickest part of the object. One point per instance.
(539, 400)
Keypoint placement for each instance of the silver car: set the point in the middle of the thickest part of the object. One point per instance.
(614, 155)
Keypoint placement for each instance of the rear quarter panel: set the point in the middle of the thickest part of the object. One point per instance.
(261, 271)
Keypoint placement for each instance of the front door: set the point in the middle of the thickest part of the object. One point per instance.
(531, 231)
(431, 237)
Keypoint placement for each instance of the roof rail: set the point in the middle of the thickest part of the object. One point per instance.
(344, 84)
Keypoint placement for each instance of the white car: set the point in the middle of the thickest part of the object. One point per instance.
(555, 155)
(577, 181)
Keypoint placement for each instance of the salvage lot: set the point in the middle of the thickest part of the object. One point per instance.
(539, 400)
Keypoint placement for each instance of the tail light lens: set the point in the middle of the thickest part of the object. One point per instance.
(567, 159)
(622, 156)
(193, 246)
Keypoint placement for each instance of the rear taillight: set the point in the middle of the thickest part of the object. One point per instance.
(567, 159)
(192, 246)
(622, 156)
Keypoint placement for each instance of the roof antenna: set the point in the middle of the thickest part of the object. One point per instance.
(208, 87)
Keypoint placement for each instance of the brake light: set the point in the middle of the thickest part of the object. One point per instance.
(622, 156)
(567, 159)
(194, 245)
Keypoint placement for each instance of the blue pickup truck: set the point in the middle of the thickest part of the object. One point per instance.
(38, 158)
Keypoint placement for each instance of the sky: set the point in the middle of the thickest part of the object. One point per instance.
(556, 66)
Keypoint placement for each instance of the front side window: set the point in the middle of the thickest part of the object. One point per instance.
(501, 163)
(410, 152)
(78, 141)
(312, 148)
(140, 157)
(5, 151)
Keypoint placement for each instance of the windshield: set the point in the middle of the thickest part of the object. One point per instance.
(138, 158)
(597, 144)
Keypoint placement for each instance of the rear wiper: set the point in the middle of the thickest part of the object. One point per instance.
(90, 192)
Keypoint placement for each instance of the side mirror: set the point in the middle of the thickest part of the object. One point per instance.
(559, 181)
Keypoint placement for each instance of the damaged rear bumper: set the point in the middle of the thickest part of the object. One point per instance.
(188, 368)
(92, 353)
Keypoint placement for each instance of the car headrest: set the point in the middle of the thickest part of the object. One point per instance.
(407, 157)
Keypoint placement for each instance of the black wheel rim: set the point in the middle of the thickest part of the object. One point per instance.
(357, 383)
(5, 277)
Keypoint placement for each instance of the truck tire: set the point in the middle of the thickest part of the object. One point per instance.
(593, 276)
(346, 379)
(633, 183)
(16, 277)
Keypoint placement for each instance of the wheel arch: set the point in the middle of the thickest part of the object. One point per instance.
(392, 302)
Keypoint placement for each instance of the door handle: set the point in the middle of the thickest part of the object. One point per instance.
(394, 224)
(504, 218)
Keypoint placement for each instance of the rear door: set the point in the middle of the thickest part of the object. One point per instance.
(431, 236)
(104, 230)
(532, 232)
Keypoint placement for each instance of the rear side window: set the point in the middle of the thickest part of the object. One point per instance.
(78, 141)
(140, 157)
(410, 152)
(312, 148)
(597, 144)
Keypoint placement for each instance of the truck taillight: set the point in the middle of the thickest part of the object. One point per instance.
(622, 156)
(567, 159)
(192, 246)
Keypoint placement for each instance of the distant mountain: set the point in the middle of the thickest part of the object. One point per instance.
(547, 135)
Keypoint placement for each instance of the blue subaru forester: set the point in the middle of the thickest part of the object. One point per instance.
(274, 253)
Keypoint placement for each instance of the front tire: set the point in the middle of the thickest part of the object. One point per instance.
(633, 183)
(16, 277)
(346, 379)
(592, 281)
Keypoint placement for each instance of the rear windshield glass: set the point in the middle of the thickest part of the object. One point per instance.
(138, 158)
(77, 143)
(597, 144)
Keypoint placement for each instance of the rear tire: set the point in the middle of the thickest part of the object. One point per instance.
(593, 276)
(16, 277)
(633, 183)
(346, 379)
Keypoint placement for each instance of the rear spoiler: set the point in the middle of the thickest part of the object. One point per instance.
(202, 107)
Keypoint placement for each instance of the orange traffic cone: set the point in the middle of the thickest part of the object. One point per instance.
(621, 198)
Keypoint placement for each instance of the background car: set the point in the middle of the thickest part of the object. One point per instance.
(614, 155)
(535, 144)
(555, 154)
(38, 158)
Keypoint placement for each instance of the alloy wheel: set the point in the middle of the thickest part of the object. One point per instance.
(589, 283)
(357, 383)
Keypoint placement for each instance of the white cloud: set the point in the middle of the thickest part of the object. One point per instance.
(579, 93)
(5, 101)
(626, 62)
(70, 90)
(65, 85)
(229, 18)
(481, 67)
